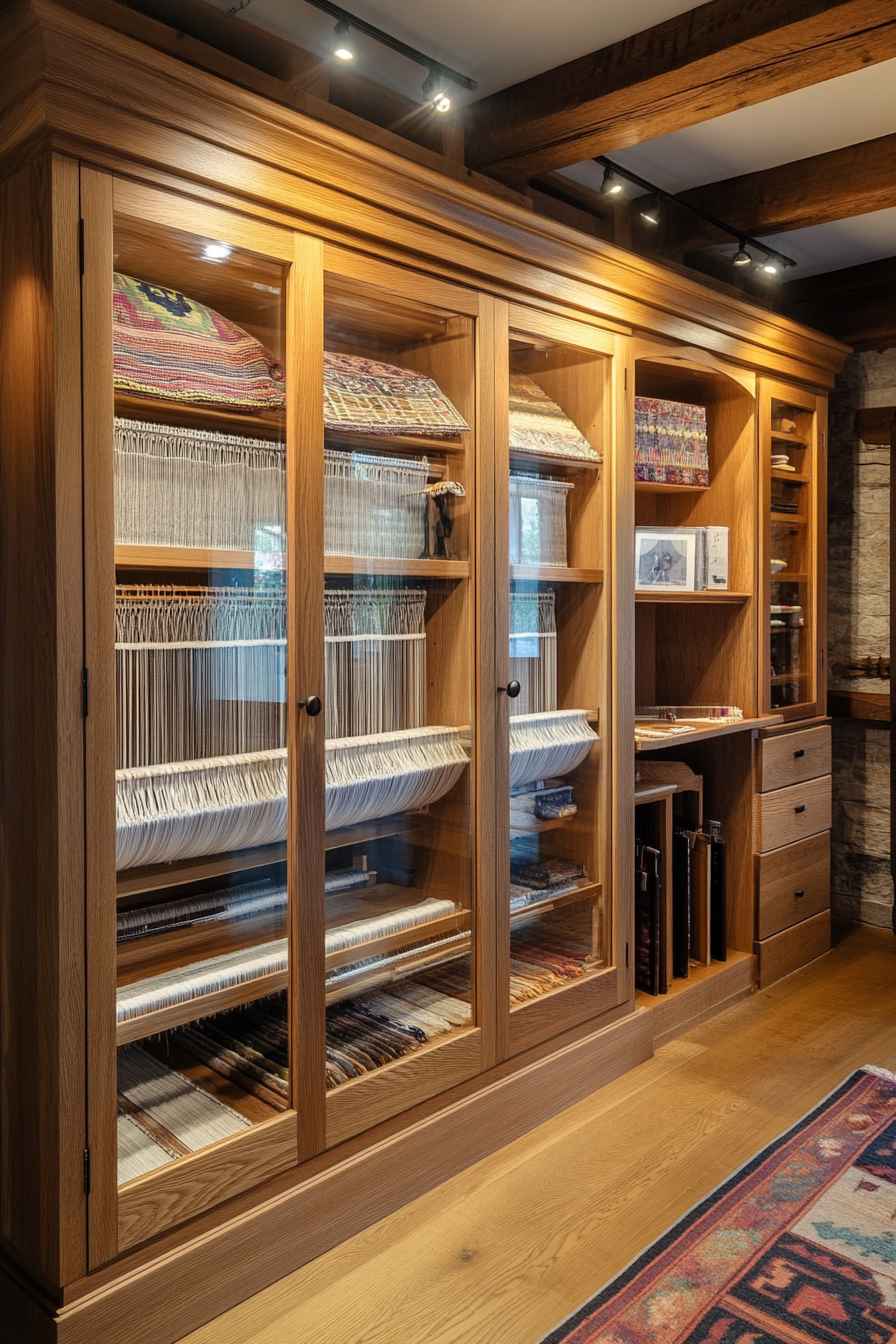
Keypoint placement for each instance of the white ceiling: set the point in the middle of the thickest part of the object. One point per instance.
(500, 42)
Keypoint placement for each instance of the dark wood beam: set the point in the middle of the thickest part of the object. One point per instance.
(857, 304)
(837, 185)
(711, 60)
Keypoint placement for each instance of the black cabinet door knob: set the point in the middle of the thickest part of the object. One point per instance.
(512, 688)
(312, 706)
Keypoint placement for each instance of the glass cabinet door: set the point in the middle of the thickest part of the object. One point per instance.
(559, 687)
(399, 499)
(793, 468)
(204, 1033)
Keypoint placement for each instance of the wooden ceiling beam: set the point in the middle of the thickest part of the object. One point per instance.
(856, 305)
(714, 59)
(837, 185)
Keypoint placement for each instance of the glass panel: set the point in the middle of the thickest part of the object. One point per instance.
(398, 620)
(791, 636)
(200, 651)
(559, 931)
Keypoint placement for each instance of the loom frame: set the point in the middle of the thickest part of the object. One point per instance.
(93, 121)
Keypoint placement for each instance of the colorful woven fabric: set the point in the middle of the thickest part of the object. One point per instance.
(170, 347)
(670, 442)
(537, 424)
(799, 1246)
(366, 397)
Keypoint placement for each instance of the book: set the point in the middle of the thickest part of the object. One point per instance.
(647, 919)
(681, 903)
(718, 912)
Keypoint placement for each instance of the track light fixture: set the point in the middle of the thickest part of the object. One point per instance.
(436, 89)
(774, 263)
(341, 46)
(609, 186)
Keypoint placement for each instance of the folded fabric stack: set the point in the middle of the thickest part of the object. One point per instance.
(538, 425)
(545, 800)
(365, 396)
(670, 442)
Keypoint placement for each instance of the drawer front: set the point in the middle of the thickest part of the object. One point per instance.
(785, 816)
(788, 951)
(792, 883)
(793, 757)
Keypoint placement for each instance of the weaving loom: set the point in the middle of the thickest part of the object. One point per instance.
(537, 520)
(374, 506)
(188, 809)
(375, 660)
(198, 488)
(533, 651)
(198, 979)
(538, 425)
(544, 745)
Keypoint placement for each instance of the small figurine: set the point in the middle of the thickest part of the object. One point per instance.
(439, 523)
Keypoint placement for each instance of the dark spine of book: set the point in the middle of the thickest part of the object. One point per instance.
(681, 904)
(718, 902)
(647, 920)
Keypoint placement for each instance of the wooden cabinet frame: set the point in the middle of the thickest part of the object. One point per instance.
(95, 124)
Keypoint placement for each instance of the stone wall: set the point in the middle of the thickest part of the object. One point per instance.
(858, 626)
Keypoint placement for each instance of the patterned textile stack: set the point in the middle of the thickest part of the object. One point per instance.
(538, 425)
(364, 396)
(670, 443)
(172, 348)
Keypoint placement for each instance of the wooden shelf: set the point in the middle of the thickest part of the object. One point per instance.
(186, 557)
(183, 557)
(787, 519)
(661, 488)
(528, 461)
(710, 595)
(176, 1014)
(793, 477)
(786, 679)
(783, 576)
(388, 444)
(417, 569)
(556, 574)
(159, 877)
(784, 436)
(588, 890)
(703, 733)
(538, 826)
(230, 420)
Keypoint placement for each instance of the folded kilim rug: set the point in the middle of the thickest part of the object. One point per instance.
(797, 1246)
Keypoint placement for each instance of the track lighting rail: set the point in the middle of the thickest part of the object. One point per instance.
(774, 261)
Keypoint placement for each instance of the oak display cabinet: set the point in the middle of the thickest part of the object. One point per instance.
(303, 908)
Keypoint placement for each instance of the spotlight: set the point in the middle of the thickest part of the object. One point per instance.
(216, 251)
(769, 267)
(654, 214)
(742, 256)
(342, 42)
(609, 186)
(435, 91)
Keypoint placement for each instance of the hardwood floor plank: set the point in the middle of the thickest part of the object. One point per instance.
(504, 1251)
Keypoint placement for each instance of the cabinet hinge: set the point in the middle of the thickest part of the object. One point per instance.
(625, 381)
(626, 955)
(81, 245)
(87, 1171)
(823, 438)
(84, 705)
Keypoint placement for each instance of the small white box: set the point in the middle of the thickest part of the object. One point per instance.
(715, 551)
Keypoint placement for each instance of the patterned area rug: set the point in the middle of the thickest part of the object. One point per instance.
(798, 1246)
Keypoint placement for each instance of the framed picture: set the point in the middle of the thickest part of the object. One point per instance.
(665, 558)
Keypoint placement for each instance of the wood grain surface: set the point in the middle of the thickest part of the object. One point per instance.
(504, 1251)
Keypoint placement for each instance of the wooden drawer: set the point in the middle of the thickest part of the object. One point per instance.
(793, 757)
(786, 815)
(793, 948)
(792, 883)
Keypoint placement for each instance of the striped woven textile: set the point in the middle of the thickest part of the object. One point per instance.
(670, 442)
(170, 347)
